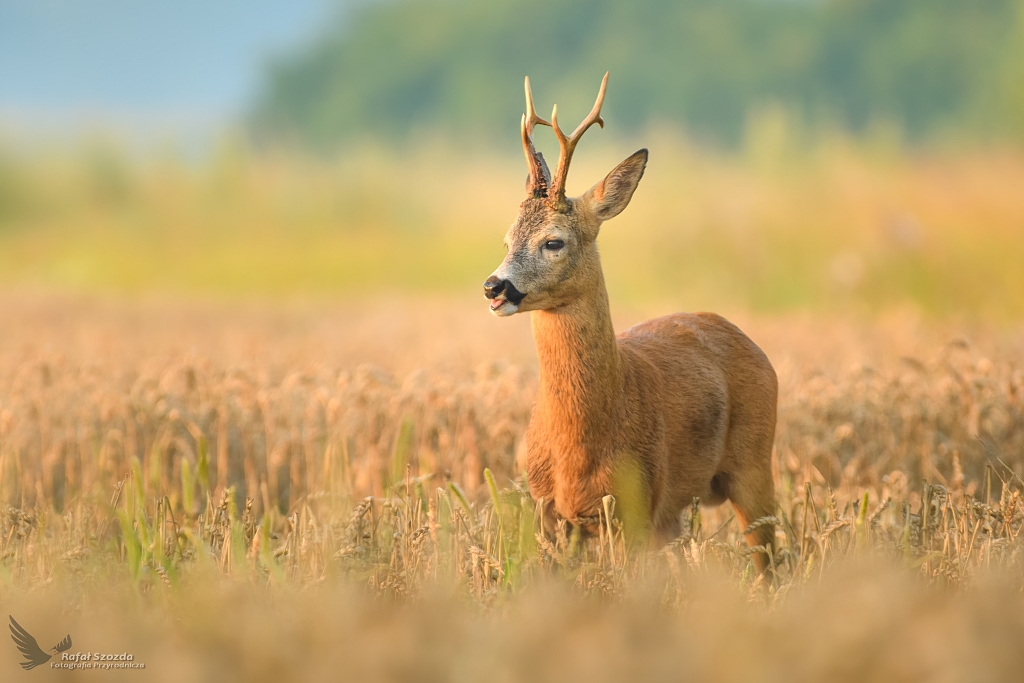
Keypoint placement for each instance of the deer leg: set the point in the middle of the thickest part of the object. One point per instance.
(665, 533)
(752, 494)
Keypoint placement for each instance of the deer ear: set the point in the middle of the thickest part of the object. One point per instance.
(609, 197)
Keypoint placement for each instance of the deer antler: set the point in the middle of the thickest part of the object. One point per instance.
(539, 180)
(568, 144)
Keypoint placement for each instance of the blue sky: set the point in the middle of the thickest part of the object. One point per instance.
(64, 60)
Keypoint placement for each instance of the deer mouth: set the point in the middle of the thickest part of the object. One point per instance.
(507, 299)
(501, 307)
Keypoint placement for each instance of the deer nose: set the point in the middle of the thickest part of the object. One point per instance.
(493, 287)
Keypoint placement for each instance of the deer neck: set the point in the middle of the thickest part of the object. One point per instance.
(580, 377)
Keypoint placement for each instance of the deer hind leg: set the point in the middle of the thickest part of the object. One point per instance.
(752, 493)
(666, 532)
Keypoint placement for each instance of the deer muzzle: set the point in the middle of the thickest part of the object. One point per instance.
(504, 296)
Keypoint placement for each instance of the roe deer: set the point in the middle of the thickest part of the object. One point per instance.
(687, 401)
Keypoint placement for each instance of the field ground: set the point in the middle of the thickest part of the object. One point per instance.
(188, 480)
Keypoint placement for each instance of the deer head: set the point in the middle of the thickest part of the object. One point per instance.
(552, 255)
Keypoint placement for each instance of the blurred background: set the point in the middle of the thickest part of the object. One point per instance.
(807, 155)
(241, 254)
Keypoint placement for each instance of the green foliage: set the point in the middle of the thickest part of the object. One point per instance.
(400, 458)
(203, 463)
(187, 487)
(840, 226)
(390, 69)
(631, 500)
(460, 496)
(14, 187)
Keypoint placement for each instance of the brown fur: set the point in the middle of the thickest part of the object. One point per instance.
(687, 400)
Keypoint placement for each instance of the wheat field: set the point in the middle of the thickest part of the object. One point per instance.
(256, 423)
(239, 490)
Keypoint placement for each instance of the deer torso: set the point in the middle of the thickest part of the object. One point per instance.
(653, 402)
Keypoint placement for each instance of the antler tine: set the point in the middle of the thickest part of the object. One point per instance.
(531, 113)
(539, 180)
(568, 144)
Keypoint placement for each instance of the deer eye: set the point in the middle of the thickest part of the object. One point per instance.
(554, 245)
